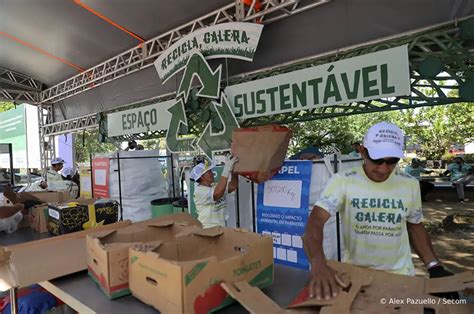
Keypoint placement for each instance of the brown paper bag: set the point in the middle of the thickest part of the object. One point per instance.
(261, 151)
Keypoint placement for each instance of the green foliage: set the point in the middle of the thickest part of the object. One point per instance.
(435, 129)
(87, 142)
(4, 106)
(340, 131)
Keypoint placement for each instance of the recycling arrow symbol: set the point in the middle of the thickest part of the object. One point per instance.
(198, 67)
(209, 141)
(178, 117)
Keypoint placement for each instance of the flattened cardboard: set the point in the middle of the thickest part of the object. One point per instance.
(368, 288)
(44, 197)
(36, 261)
(107, 253)
(184, 275)
(251, 298)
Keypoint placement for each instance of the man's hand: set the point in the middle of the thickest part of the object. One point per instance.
(325, 282)
(229, 165)
(438, 272)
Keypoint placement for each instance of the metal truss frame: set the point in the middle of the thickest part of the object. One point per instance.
(143, 55)
(18, 87)
(442, 41)
(47, 149)
(66, 126)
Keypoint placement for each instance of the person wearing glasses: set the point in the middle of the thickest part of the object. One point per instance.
(381, 215)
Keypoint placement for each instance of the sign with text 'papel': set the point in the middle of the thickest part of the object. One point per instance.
(282, 212)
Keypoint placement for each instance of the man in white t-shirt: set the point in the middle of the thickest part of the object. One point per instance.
(209, 196)
(381, 214)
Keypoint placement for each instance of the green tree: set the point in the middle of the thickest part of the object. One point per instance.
(437, 128)
(5, 105)
(87, 142)
(340, 131)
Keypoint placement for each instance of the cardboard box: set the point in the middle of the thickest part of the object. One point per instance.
(38, 218)
(261, 151)
(107, 253)
(36, 261)
(25, 222)
(43, 197)
(80, 214)
(184, 275)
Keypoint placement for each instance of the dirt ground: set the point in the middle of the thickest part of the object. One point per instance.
(452, 242)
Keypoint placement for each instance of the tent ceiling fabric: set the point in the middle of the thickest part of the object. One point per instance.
(68, 31)
(72, 33)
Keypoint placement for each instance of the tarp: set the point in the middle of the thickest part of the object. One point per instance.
(337, 25)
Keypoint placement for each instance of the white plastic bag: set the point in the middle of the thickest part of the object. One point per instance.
(10, 224)
(142, 181)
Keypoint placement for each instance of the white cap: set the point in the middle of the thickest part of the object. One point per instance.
(68, 172)
(384, 140)
(57, 161)
(201, 169)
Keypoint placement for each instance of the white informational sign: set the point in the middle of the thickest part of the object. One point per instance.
(372, 76)
(100, 177)
(138, 120)
(237, 40)
(282, 193)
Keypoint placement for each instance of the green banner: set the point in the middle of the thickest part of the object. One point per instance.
(375, 75)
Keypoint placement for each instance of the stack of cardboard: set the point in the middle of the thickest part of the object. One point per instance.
(184, 275)
(107, 253)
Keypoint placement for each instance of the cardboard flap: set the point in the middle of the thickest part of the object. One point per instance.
(209, 232)
(102, 235)
(5, 255)
(243, 230)
(357, 278)
(7, 278)
(251, 298)
(161, 224)
(148, 246)
(458, 282)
